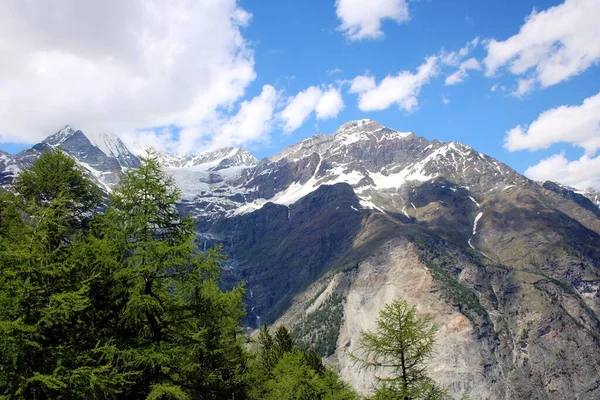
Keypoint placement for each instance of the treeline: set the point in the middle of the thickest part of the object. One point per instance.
(116, 302)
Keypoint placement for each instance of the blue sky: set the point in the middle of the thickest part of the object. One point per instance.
(266, 74)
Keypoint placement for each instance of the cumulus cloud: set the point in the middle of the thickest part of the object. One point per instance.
(582, 174)
(325, 102)
(330, 104)
(361, 19)
(362, 83)
(578, 125)
(463, 71)
(121, 66)
(553, 45)
(402, 89)
(252, 123)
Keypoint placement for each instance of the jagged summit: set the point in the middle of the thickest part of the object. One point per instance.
(367, 125)
(60, 136)
(356, 131)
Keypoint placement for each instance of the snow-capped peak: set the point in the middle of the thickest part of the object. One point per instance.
(364, 125)
(59, 137)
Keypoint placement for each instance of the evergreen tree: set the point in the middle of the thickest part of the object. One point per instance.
(283, 340)
(47, 351)
(178, 332)
(119, 305)
(294, 379)
(267, 354)
(399, 348)
(282, 371)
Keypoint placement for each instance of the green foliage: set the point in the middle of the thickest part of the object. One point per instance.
(122, 305)
(457, 293)
(320, 329)
(181, 331)
(281, 371)
(294, 379)
(47, 351)
(397, 351)
(119, 305)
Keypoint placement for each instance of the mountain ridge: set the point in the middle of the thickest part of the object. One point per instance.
(329, 230)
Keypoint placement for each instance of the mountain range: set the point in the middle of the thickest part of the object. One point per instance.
(329, 230)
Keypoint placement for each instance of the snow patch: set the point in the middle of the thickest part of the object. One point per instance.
(404, 212)
(474, 201)
(475, 222)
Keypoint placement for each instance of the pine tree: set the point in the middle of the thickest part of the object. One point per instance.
(399, 348)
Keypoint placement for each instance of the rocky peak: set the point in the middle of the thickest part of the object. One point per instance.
(361, 125)
(591, 194)
(59, 137)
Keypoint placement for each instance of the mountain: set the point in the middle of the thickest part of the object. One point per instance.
(329, 230)
(334, 227)
(102, 158)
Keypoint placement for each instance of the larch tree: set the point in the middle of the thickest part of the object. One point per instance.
(47, 350)
(397, 350)
(179, 332)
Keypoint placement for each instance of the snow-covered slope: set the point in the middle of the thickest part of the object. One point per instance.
(112, 146)
(209, 181)
(380, 163)
(231, 156)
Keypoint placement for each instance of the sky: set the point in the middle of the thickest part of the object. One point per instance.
(518, 80)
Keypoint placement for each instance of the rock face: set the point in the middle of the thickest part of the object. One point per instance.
(509, 268)
(331, 229)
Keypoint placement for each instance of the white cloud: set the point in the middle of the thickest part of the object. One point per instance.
(361, 19)
(524, 86)
(362, 83)
(327, 103)
(554, 44)
(252, 123)
(402, 89)
(330, 104)
(445, 100)
(121, 66)
(334, 71)
(454, 58)
(582, 174)
(463, 71)
(578, 125)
